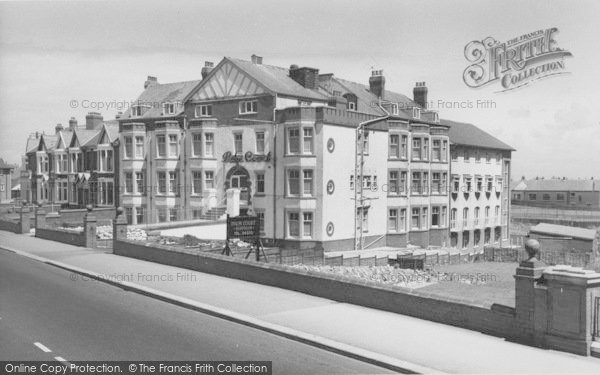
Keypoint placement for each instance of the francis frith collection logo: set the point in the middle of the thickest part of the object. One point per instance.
(516, 62)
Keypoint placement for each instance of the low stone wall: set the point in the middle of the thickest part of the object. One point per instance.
(10, 226)
(71, 238)
(550, 257)
(104, 216)
(492, 319)
(355, 261)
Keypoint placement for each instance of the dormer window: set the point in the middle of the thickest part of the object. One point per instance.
(394, 109)
(436, 117)
(351, 106)
(168, 108)
(416, 113)
(136, 110)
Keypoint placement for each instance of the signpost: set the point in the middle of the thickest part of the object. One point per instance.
(247, 229)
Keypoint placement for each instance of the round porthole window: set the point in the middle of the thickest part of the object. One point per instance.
(330, 145)
(330, 187)
(329, 229)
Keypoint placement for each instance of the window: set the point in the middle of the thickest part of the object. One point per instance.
(203, 110)
(249, 107)
(293, 140)
(172, 214)
(139, 147)
(404, 146)
(455, 184)
(260, 142)
(403, 182)
(308, 140)
(402, 224)
(468, 184)
(237, 143)
(465, 217)
(443, 217)
(477, 156)
(196, 144)
(260, 183)
(394, 109)
(425, 154)
(444, 150)
(479, 184)
(308, 182)
(351, 182)
(453, 215)
(466, 156)
(488, 158)
(129, 215)
(497, 214)
(489, 184)
(196, 182)
(351, 106)
(560, 197)
(136, 110)
(532, 197)
(294, 224)
(139, 182)
(416, 113)
(436, 182)
(172, 182)
(416, 149)
(424, 218)
(499, 186)
(139, 214)
(435, 216)
(128, 147)
(394, 147)
(209, 143)
(105, 193)
(307, 224)
(128, 182)
(416, 183)
(293, 182)
(415, 218)
(546, 197)
(168, 108)
(465, 239)
(393, 182)
(476, 216)
(436, 149)
(392, 220)
(209, 179)
(162, 182)
(173, 151)
(161, 145)
(487, 215)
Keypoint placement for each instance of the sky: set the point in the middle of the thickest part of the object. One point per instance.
(64, 59)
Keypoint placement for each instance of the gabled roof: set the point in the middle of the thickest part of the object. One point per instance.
(157, 94)
(49, 141)
(555, 184)
(64, 138)
(276, 79)
(83, 136)
(465, 134)
(563, 231)
(112, 129)
(32, 144)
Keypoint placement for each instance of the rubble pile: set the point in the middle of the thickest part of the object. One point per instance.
(380, 274)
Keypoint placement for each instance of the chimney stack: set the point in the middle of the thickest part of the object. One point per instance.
(377, 83)
(93, 121)
(207, 68)
(73, 123)
(420, 94)
(58, 128)
(118, 115)
(307, 77)
(150, 81)
(256, 59)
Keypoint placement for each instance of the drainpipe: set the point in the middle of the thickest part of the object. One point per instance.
(274, 170)
(184, 171)
(358, 175)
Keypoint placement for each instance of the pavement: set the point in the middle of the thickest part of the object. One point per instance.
(386, 339)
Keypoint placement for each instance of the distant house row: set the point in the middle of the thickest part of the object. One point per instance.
(287, 139)
(557, 193)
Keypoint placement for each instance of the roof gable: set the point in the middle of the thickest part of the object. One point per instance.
(228, 80)
(466, 134)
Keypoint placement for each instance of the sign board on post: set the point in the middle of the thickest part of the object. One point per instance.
(247, 229)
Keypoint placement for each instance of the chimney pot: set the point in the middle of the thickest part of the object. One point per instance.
(93, 121)
(58, 128)
(72, 123)
(307, 77)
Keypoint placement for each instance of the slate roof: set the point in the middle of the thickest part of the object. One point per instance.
(66, 136)
(277, 79)
(554, 184)
(32, 144)
(84, 135)
(50, 140)
(563, 231)
(160, 93)
(112, 129)
(465, 134)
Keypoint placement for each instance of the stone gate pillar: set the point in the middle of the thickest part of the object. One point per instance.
(89, 227)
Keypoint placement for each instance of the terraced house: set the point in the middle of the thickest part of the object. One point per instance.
(75, 166)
